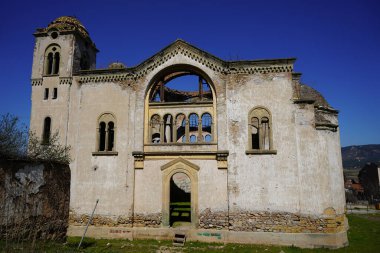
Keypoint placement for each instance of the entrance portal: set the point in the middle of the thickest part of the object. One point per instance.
(180, 200)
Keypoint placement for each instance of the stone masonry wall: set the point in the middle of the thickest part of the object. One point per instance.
(34, 200)
(139, 220)
(271, 222)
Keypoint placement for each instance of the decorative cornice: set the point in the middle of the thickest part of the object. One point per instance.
(326, 109)
(66, 80)
(105, 78)
(326, 126)
(182, 48)
(36, 81)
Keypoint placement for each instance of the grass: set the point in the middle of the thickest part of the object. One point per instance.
(364, 237)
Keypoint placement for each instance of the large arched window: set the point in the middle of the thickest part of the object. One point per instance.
(260, 129)
(47, 131)
(180, 107)
(106, 133)
(52, 60)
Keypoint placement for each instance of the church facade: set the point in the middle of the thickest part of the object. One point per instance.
(225, 151)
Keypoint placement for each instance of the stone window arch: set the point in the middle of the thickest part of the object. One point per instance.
(46, 130)
(260, 129)
(106, 133)
(52, 60)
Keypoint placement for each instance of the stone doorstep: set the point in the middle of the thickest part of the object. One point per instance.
(302, 240)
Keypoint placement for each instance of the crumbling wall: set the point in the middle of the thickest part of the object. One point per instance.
(34, 200)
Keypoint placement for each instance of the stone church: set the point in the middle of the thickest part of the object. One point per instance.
(224, 151)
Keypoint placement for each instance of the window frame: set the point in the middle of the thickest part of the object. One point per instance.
(106, 118)
(260, 113)
(52, 60)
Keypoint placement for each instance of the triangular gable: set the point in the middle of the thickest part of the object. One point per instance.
(180, 160)
(183, 48)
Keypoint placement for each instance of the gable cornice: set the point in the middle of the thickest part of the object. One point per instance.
(180, 160)
(180, 47)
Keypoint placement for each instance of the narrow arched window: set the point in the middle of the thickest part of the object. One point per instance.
(260, 130)
(56, 63)
(52, 60)
(106, 133)
(50, 64)
(102, 136)
(179, 131)
(110, 136)
(155, 128)
(255, 133)
(47, 130)
(168, 128)
(207, 126)
(193, 126)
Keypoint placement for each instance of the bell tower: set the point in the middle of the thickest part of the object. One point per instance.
(61, 49)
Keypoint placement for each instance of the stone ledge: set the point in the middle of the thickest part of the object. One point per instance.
(260, 152)
(105, 153)
(303, 240)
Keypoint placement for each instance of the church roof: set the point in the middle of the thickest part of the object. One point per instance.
(65, 24)
(309, 93)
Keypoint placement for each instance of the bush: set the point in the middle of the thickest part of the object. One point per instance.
(13, 137)
(50, 151)
(17, 143)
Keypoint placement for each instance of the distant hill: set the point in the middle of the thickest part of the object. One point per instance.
(355, 157)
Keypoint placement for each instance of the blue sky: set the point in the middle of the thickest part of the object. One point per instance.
(336, 43)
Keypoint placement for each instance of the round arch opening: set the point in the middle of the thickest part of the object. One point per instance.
(180, 200)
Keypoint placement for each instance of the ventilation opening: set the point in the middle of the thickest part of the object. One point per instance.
(46, 94)
(46, 133)
(55, 93)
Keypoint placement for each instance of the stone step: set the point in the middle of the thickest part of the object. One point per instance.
(179, 240)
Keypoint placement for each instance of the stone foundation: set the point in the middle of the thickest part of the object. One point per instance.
(239, 222)
(271, 222)
(213, 220)
(151, 220)
(139, 220)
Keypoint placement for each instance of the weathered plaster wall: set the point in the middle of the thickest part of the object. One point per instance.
(107, 178)
(262, 182)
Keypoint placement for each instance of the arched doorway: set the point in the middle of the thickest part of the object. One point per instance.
(180, 193)
(180, 200)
